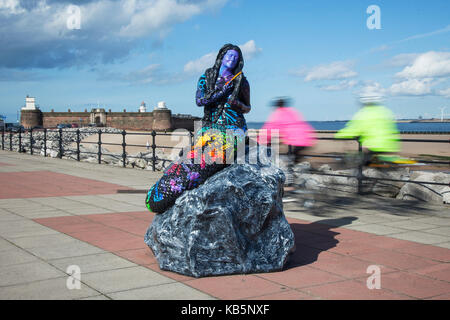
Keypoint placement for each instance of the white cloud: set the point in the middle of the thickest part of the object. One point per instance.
(428, 65)
(144, 76)
(444, 92)
(338, 70)
(383, 47)
(401, 60)
(249, 51)
(334, 71)
(372, 88)
(200, 65)
(412, 87)
(152, 16)
(110, 29)
(10, 7)
(342, 85)
(428, 34)
(152, 74)
(414, 37)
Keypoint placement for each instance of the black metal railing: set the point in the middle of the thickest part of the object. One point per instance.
(62, 151)
(360, 177)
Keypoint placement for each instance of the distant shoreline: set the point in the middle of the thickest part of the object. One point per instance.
(425, 120)
(398, 121)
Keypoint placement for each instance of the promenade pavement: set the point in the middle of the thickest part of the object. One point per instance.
(59, 216)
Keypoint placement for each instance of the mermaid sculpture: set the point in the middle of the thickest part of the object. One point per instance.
(224, 93)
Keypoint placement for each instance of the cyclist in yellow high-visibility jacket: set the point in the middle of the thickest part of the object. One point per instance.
(375, 126)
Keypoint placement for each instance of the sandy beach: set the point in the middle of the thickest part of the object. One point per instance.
(137, 140)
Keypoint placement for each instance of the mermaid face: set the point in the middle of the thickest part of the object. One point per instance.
(230, 59)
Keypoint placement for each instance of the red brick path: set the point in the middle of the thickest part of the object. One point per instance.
(329, 263)
(50, 184)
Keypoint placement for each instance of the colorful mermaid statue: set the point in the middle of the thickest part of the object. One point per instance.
(224, 93)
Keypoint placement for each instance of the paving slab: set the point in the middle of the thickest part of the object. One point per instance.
(285, 295)
(410, 224)
(438, 271)
(443, 245)
(414, 285)
(6, 245)
(378, 229)
(74, 248)
(82, 210)
(33, 214)
(47, 184)
(236, 287)
(421, 237)
(396, 260)
(6, 215)
(92, 263)
(438, 221)
(301, 277)
(14, 256)
(117, 280)
(17, 229)
(52, 289)
(353, 290)
(443, 231)
(27, 272)
(45, 241)
(29, 207)
(99, 297)
(171, 291)
(431, 252)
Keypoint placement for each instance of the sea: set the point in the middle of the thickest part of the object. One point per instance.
(425, 127)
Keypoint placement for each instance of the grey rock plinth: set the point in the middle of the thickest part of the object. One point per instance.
(426, 192)
(233, 223)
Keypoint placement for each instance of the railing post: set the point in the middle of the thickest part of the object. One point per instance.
(60, 143)
(3, 138)
(191, 135)
(154, 150)
(124, 152)
(359, 175)
(78, 144)
(99, 146)
(20, 140)
(31, 140)
(45, 142)
(10, 140)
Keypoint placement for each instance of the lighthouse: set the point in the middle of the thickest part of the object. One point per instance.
(143, 107)
(30, 115)
(30, 103)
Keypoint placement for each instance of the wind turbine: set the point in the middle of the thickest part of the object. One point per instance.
(442, 113)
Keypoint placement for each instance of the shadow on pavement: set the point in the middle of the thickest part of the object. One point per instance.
(325, 204)
(313, 238)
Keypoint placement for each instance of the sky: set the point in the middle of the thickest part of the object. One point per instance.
(80, 54)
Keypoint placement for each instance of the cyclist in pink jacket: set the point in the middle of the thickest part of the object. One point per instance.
(293, 131)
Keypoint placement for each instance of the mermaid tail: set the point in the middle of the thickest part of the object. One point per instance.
(209, 154)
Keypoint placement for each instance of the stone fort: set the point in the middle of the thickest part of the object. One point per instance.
(160, 119)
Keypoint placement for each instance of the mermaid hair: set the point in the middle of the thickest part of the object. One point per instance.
(212, 73)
